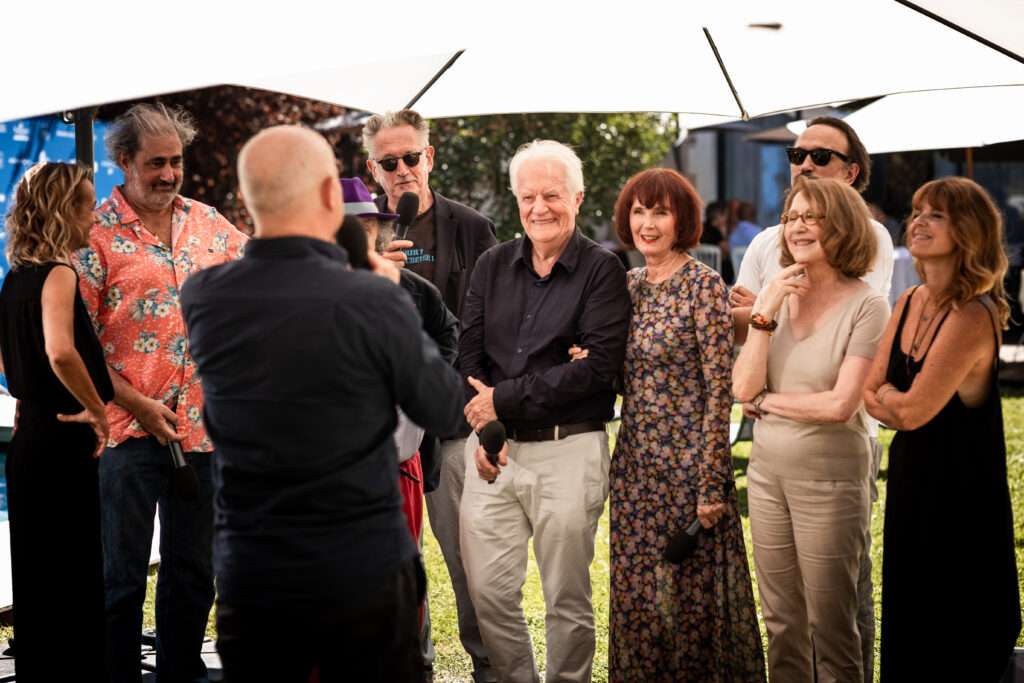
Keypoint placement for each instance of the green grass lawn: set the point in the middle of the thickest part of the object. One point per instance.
(453, 665)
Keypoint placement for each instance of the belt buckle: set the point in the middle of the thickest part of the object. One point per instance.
(556, 432)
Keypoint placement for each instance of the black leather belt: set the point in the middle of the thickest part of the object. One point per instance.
(556, 433)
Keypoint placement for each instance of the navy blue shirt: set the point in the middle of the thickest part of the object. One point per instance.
(517, 329)
(302, 362)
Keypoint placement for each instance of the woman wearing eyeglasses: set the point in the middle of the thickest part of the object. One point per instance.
(813, 332)
(55, 368)
(948, 556)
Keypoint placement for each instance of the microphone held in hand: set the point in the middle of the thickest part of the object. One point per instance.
(183, 478)
(352, 238)
(408, 208)
(683, 543)
(492, 438)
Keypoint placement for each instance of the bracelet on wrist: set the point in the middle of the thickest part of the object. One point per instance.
(761, 322)
(882, 391)
(759, 399)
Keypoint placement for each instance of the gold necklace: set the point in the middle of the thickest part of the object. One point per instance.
(929, 319)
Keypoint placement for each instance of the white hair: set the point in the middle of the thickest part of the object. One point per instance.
(549, 150)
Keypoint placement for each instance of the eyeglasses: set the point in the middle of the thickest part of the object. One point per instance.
(808, 217)
(820, 156)
(389, 164)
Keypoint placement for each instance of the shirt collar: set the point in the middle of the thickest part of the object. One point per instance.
(293, 247)
(568, 259)
(126, 214)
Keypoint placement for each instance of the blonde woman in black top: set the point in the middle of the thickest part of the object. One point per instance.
(55, 368)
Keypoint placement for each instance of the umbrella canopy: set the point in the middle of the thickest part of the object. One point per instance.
(736, 58)
(971, 117)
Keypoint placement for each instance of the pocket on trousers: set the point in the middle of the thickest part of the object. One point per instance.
(596, 477)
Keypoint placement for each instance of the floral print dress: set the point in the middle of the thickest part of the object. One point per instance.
(695, 621)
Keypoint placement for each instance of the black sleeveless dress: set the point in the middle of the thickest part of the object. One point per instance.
(950, 599)
(53, 494)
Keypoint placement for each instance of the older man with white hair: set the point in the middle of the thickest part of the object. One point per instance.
(304, 361)
(529, 301)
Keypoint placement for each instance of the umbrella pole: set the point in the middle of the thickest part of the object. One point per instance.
(962, 30)
(82, 118)
(969, 159)
(433, 80)
(725, 72)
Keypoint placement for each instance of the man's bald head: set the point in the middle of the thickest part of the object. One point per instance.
(289, 182)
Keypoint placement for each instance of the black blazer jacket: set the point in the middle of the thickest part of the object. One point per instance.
(462, 235)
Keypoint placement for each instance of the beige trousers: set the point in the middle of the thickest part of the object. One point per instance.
(553, 491)
(808, 540)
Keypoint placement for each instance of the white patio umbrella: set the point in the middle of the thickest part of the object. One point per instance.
(943, 119)
(733, 58)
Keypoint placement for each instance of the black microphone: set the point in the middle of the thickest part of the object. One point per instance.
(492, 438)
(352, 238)
(183, 478)
(408, 207)
(683, 543)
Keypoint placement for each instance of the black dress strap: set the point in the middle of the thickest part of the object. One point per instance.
(903, 315)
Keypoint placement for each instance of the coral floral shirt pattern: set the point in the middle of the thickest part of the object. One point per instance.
(130, 283)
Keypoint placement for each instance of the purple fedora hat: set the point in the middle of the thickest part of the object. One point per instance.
(358, 201)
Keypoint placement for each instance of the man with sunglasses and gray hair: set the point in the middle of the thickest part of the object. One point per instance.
(828, 148)
(443, 244)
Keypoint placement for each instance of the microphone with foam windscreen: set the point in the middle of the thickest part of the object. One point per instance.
(408, 208)
(352, 238)
(492, 438)
(184, 480)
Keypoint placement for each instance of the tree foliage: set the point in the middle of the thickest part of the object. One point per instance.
(473, 154)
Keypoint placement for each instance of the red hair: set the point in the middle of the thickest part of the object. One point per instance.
(670, 189)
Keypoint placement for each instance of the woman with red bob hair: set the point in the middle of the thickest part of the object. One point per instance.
(676, 618)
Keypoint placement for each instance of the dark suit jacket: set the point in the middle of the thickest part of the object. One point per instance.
(462, 235)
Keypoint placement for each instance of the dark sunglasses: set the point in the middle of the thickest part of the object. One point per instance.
(820, 156)
(389, 164)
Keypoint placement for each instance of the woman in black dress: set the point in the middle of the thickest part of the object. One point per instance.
(950, 599)
(55, 368)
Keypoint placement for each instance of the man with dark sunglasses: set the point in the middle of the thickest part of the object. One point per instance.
(828, 148)
(447, 239)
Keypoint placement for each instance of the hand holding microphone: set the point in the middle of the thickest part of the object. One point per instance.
(492, 452)
(408, 208)
(684, 542)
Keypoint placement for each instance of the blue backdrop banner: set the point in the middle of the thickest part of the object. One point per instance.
(26, 142)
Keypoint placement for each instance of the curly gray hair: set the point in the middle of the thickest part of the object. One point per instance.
(125, 133)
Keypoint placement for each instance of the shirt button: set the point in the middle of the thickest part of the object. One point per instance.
(529, 315)
(519, 350)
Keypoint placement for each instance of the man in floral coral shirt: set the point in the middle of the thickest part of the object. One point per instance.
(146, 242)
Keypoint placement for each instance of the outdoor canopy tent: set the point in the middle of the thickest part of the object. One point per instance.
(530, 56)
